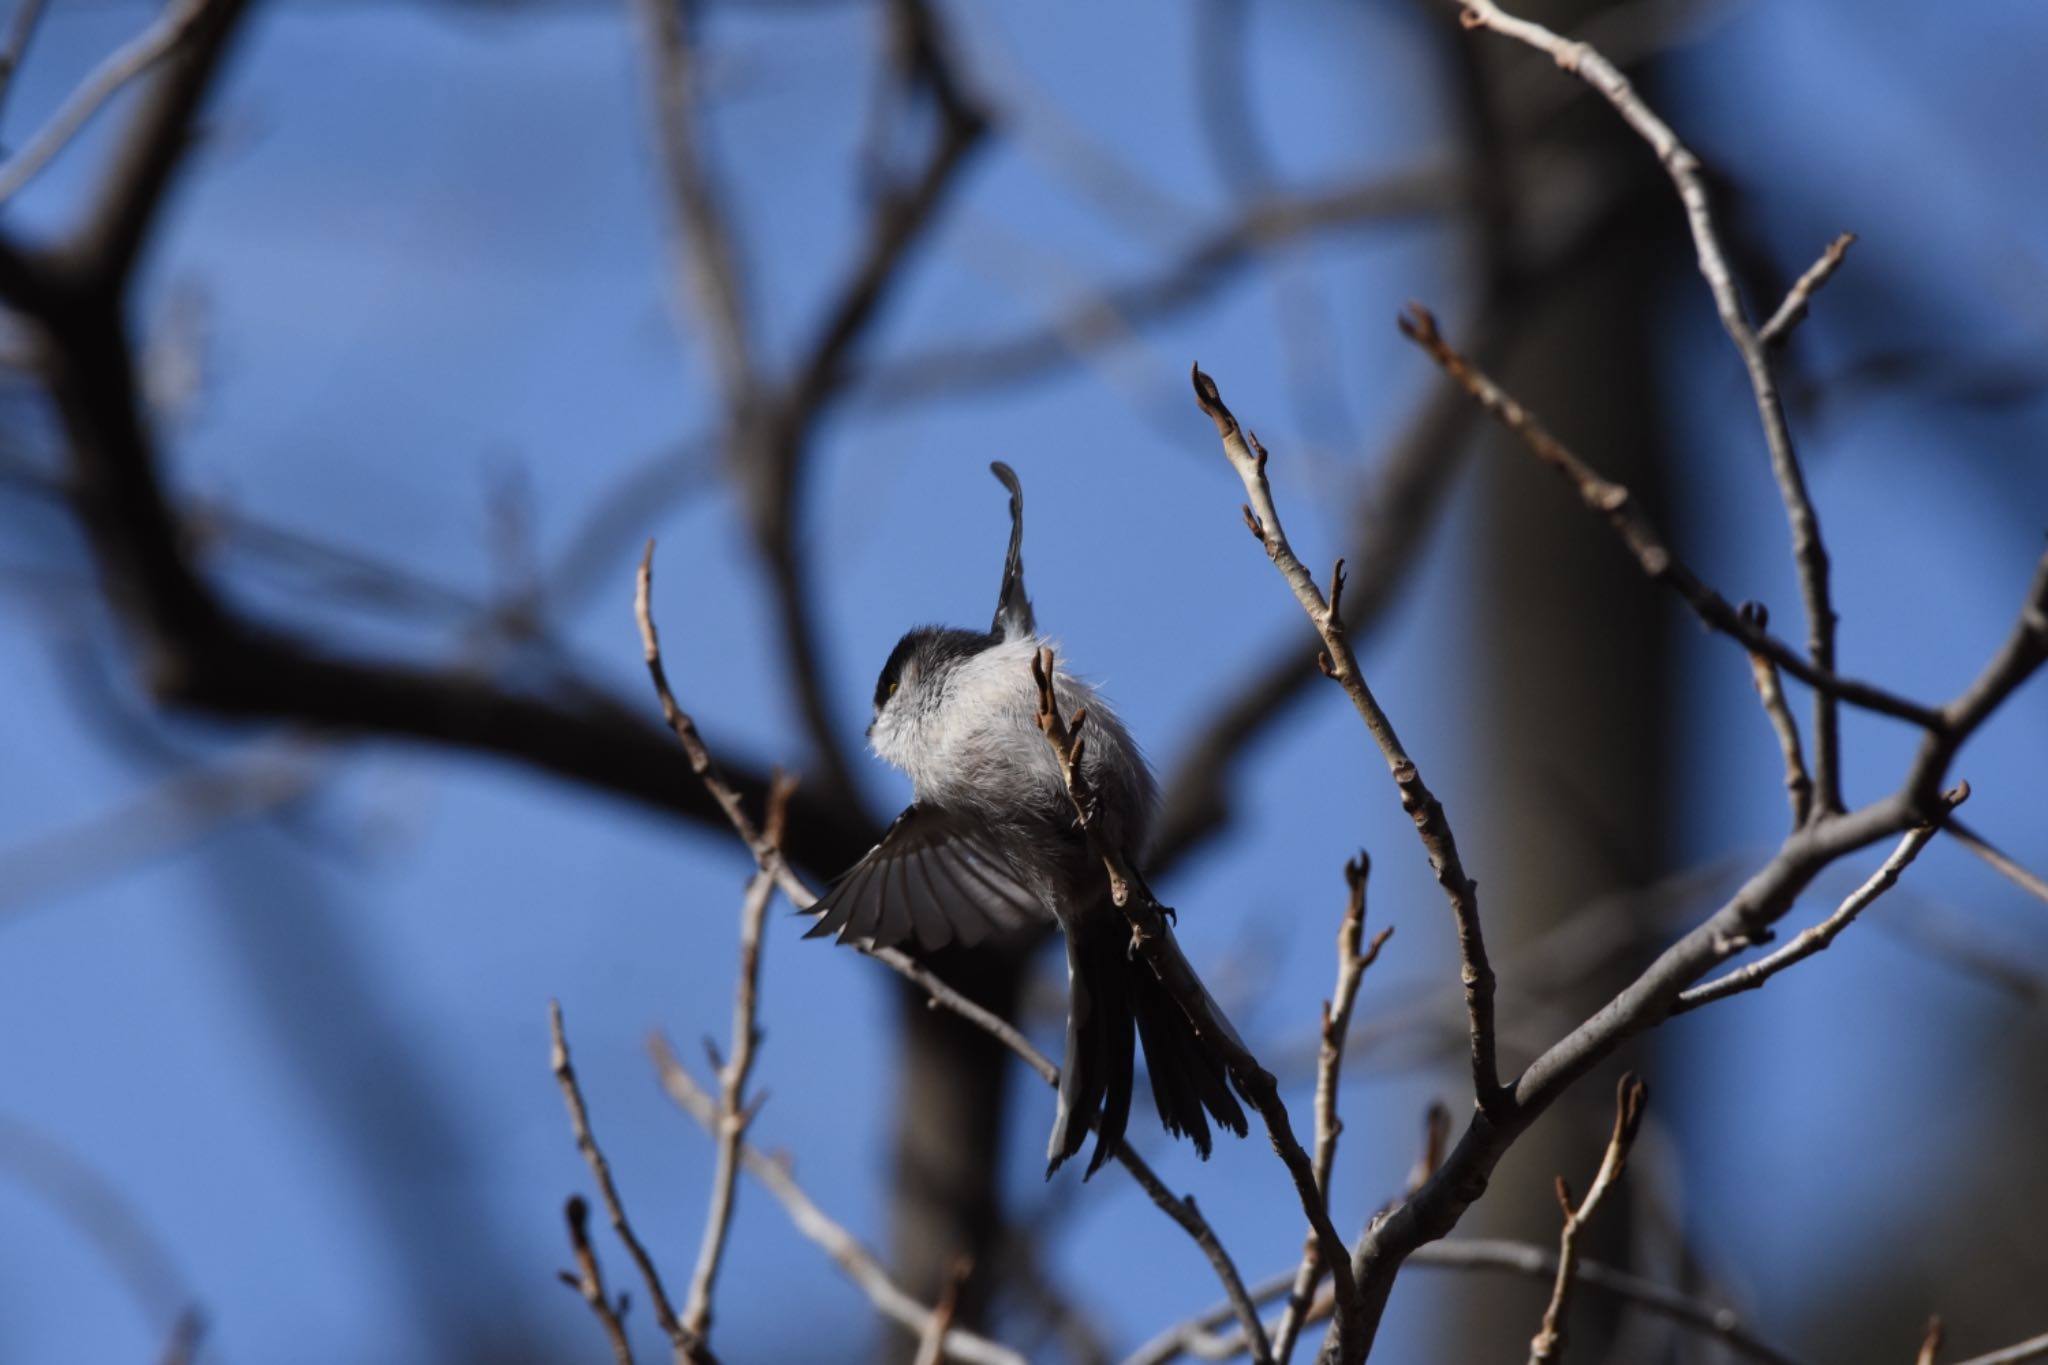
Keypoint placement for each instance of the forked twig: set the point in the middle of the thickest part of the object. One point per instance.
(1629, 1097)
(689, 1347)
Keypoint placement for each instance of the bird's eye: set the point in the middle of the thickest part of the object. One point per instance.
(892, 689)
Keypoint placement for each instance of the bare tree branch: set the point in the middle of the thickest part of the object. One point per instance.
(1818, 937)
(588, 1281)
(1630, 1095)
(858, 1263)
(1352, 961)
(101, 84)
(2033, 1348)
(1745, 919)
(1216, 258)
(1526, 1259)
(1248, 457)
(712, 274)
(931, 1349)
(2030, 882)
(1808, 552)
(1770, 690)
(1793, 310)
(768, 857)
(1614, 503)
(734, 1110)
(690, 1349)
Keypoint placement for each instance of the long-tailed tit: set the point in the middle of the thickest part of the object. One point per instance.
(990, 844)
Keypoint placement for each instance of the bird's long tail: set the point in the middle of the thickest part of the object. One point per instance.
(1114, 1001)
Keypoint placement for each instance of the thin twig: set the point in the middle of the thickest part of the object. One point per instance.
(963, 366)
(768, 857)
(688, 1346)
(1352, 960)
(27, 15)
(1432, 825)
(1808, 552)
(858, 1263)
(101, 84)
(1793, 310)
(734, 1110)
(2033, 1348)
(1476, 1253)
(1436, 1136)
(2030, 882)
(1630, 1095)
(1744, 919)
(1615, 503)
(1930, 1342)
(711, 271)
(931, 1348)
(1770, 690)
(1812, 940)
(588, 1281)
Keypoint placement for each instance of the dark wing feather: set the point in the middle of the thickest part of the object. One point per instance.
(935, 878)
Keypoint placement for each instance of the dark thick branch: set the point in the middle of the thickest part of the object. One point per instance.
(152, 147)
(197, 650)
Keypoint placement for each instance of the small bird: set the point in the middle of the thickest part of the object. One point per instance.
(990, 845)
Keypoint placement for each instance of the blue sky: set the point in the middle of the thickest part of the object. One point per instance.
(309, 1053)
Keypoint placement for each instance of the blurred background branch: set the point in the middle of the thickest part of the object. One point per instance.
(290, 936)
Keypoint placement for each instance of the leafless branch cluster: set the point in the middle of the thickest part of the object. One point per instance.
(203, 650)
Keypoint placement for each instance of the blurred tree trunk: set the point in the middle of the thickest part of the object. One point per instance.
(951, 1113)
(1575, 681)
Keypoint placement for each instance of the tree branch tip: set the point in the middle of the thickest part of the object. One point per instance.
(1418, 324)
(1631, 1095)
(1930, 1340)
(1210, 399)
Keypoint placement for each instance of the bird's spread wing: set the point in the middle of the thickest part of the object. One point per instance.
(934, 877)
